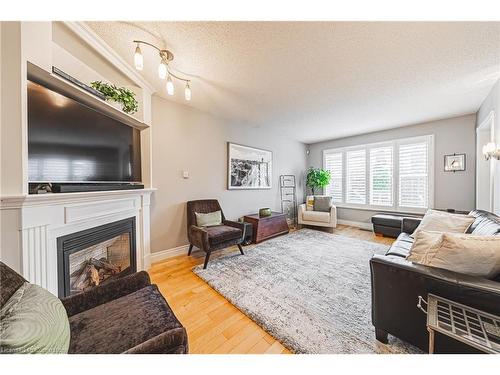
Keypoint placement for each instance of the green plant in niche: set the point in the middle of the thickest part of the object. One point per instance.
(317, 178)
(121, 95)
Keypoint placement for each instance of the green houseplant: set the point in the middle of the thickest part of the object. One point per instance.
(317, 178)
(120, 95)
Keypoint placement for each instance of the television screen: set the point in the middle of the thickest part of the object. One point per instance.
(70, 142)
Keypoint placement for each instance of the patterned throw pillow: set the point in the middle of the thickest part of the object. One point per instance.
(208, 220)
(310, 203)
(34, 321)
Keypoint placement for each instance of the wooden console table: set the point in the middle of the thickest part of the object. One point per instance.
(267, 227)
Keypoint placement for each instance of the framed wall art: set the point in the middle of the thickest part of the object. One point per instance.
(248, 167)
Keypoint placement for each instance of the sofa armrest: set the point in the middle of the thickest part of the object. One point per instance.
(174, 341)
(104, 293)
(410, 224)
(333, 215)
(236, 225)
(199, 237)
(397, 284)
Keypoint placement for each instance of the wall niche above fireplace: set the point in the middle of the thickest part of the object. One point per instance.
(96, 256)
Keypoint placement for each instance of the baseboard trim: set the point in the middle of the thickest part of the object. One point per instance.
(357, 224)
(158, 256)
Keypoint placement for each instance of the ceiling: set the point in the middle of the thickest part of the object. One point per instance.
(321, 80)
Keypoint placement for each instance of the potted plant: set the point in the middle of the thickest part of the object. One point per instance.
(121, 95)
(317, 178)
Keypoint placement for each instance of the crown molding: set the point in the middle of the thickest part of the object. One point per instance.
(104, 49)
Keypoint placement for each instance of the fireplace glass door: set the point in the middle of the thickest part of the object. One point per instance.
(96, 256)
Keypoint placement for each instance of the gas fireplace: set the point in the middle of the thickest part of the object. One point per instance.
(95, 256)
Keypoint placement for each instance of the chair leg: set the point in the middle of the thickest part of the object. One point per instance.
(190, 249)
(241, 249)
(381, 335)
(207, 258)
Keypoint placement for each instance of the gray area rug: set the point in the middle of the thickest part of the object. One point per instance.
(309, 289)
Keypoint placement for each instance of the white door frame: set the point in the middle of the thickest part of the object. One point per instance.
(488, 122)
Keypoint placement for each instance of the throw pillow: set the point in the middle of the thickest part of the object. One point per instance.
(34, 321)
(439, 221)
(208, 220)
(468, 254)
(310, 203)
(322, 204)
(425, 244)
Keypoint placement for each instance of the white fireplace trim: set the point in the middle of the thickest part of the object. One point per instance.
(41, 219)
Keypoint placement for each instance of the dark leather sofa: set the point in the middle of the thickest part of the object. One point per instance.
(397, 283)
(126, 315)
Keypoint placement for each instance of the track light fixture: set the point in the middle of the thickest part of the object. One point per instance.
(164, 71)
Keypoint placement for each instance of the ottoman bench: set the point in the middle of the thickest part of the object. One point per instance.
(387, 225)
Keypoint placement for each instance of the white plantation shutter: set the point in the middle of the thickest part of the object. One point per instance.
(414, 175)
(356, 176)
(381, 167)
(333, 163)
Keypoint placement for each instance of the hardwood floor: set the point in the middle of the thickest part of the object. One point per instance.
(213, 324)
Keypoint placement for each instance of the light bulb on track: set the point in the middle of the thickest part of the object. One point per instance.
(138, 59)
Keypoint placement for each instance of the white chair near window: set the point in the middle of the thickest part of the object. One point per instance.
(317, 218)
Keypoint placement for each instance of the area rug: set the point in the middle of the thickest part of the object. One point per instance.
(309, 289)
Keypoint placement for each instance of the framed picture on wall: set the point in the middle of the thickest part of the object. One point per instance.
(454, 163)
(248, 167)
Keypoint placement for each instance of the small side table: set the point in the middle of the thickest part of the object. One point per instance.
(471, 326)
(267, 227)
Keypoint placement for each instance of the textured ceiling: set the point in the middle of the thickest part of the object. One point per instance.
(321, 80)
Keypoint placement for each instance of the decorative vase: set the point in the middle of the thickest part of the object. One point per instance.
(265, 212)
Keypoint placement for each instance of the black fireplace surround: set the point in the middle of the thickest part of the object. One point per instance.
(75, 242)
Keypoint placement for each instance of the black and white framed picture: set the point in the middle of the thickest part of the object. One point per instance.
(249, 167)
(454, 163)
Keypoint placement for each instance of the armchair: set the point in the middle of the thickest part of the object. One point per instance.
(212, 238)
(125, 315)
(318, 218)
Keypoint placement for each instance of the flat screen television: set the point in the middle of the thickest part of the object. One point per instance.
(69, 142)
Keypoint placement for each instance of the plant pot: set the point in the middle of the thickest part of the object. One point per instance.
(117, 105)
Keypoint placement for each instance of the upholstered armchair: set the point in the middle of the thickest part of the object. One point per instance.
(212, 238)
(318, 218)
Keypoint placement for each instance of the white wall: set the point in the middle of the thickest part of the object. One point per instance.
(492, 103)
(187, 139)
(453, 135)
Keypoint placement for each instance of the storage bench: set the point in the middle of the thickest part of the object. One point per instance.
(387, 225)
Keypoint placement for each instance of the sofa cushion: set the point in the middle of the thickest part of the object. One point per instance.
(34, 320)
(10, 281)
(123, 323)
(317, 216)
(322, 203)
(466, 253)
(401, 247)
(209, 219)
(440, 221)
(485, 223)
(222, 233)
(425, 244)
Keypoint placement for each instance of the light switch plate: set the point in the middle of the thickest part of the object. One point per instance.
(185, 174)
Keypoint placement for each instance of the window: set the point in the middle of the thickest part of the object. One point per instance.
(381, 166)
(333, 163)
(356, 176)
(413, 175)
(394, 175)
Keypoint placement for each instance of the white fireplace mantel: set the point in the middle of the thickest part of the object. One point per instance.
(31, 224)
